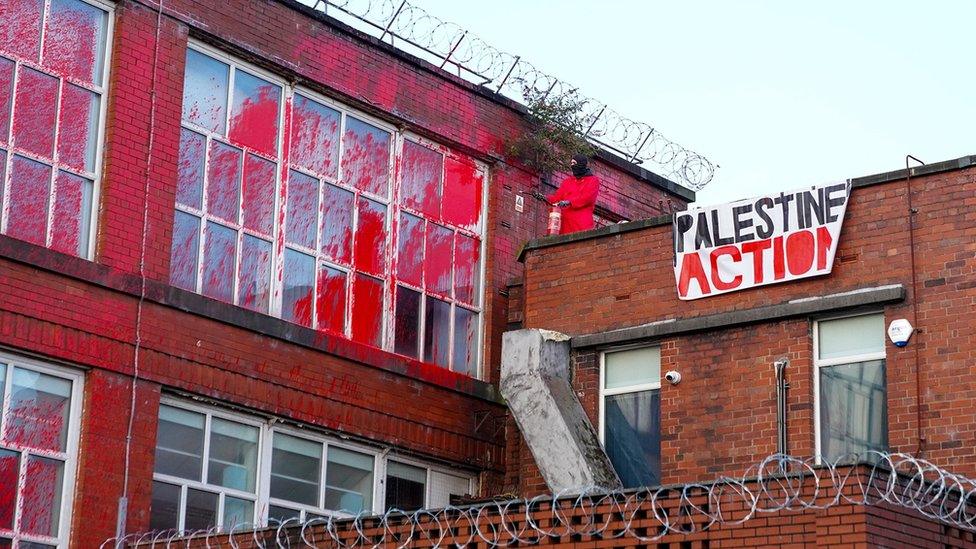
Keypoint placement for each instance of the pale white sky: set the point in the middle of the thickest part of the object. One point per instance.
(779, 94)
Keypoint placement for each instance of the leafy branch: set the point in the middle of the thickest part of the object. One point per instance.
(556, 129)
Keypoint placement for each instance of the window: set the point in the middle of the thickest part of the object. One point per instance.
(850, 387)
(53, 77)
(38, 449)
(630, 414)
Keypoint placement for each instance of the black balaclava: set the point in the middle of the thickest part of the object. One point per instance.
(580, 169)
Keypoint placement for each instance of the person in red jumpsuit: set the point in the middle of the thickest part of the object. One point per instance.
(576, 196)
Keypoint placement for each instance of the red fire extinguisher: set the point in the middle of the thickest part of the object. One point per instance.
(555, 219)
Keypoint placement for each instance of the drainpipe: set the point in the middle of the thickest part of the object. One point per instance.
(781, 387)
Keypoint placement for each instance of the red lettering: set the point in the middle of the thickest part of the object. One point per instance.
(779, 262)
(824, 241)
(756, 248)
(800, 248)
(691, 267)
(716, 279)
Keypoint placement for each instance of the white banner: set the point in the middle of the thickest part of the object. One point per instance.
(758, 241)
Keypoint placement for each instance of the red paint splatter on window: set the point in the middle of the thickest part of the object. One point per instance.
(224, 181)
(254, 113)
(437, 334)
(438, 259)
(367, 310)
(205, 91)
(20, 27)
(37, 415)
(462, 194)
(186, 246)
(315, 137)
(6, 95)
(303, 208)
(331, 302)
(298, 285)
(259, 194)
(410, 250)
(406, 338)
(72, 206)
(219, 260)
(465, 341)
(371, 237)
(9, 478)
(189, 183)
(78, 131)
(366, 157)
(420, 188)
(34, 112)
(74, 41)
(30, 183)
(337, 210)
(467, 269)
(254, 279)
(40, 501)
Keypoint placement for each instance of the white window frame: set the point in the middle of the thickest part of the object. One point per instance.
(101, 91)
(69, 457)
(429, 471)
(822, 363)
(636, 388)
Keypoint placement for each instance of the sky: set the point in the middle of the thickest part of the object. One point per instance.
(780, 95)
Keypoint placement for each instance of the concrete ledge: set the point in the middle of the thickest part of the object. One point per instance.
(609, 230)
(796, 307)
(917, 171)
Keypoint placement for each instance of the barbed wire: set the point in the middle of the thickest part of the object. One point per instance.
(777, 483)
(508, 74)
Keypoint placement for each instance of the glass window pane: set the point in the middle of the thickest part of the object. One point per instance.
(437, 332)
(466, 348)
(70, 225)
(371, 237)
(30, 189)
(219, 259)
(853, 409)
(438, 259)
(367, 310)
(277, 513)
(299, 278)
(462, 194)
(366, 157)
(9, 477)
(224, 181)
(303, 209)
(74, 43)
(331, 300)
(40, 496)
(35, 112)
(189, 183)
(6, 92)
(467, 269)
(421, 183)
(856, 335)
(32, 545)
(201, 510)
(632, 367)
(410, 250)
(186, 247)
(348, 481)
(406, 486)
(164, 512)
(205, 91)
(254, 284)
(233, 455)
(179, 443)
(337, 209)
(315, 137)
(20, 27)
(37, 415)
(78, 128)
(259, 194)
(254, 113)
(406, 340)
(237, 512)
(444, 486)
(296, 465)
(632, 433)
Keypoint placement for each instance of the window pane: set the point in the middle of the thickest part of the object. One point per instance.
(164, 513)
(233, 455)
(224, 181)
(296, 465)
(30, 186)
(466, 347)
(303, 209)
(299, 277)
(331, 302)
(74, 43)
(406, 341)
(40, 509)
(219, 258)
(467, 269)
(34, 112)
(366, 157)
(337, 210)
(371, 237)
(367, 310)
(186, 247)
(632, 367)
(632, 432)
(348, 481)
(72, 213)
(20, 27)
(189, 183)
(406, 486)
(410, 250)
(437, 332)
(6, 91)
(237, 512)
(462, 194)
(205, 91)
(179, 443)
(443, 486)
(438, 259)
(281, 514)
(259, 194)
(78, 128)
(254, 113)
(315, 137)
(853, 409)
(9, 477)
(421, 185)
(856, 335)
(254, 284)
(201, 510)
(37, 416)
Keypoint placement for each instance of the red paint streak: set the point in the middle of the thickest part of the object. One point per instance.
(303, 207)
(337, 210)
(331, 302)
(366, 157)
(6, 95)
(371, 237)
(41, 496)
(73, 42)
(259, 194)
(467, 268)
(254, 113)
(29, 193)
(224, 181)
(205, 91)
(438, 259)
(462, 194)
(20, 27)
(420, 188)
(410, 250)
(315, 137)
(9, 477)
(189, 186)
(254, 279)
(34, 112)
(69, 228)
(78, 127)
(367, 310)
(299, 281)
(186, 242)
(219, 258)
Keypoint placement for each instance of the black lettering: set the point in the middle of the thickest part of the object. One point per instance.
(813, 207)
(681, 225)
(784, 202)
(701, 232)
(834, 202)
(762, 205)
(718, 239)
(741, 224)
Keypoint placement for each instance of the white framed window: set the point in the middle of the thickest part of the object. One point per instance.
(850, 388)
(54, 64)
(410, 484)
(630, 413)
(38, 452)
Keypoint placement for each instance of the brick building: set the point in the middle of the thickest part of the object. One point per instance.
(254, 264)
